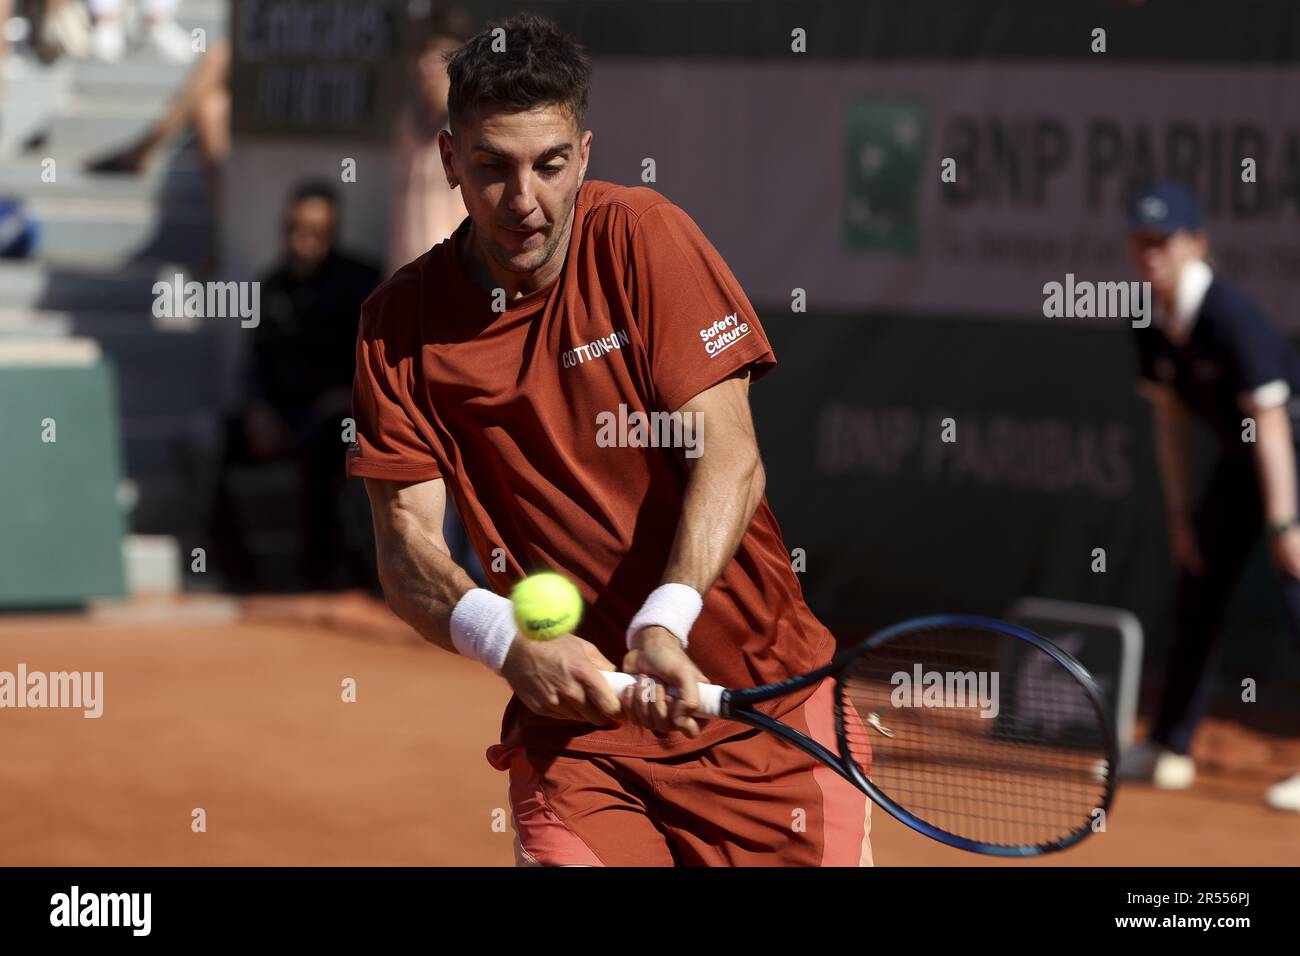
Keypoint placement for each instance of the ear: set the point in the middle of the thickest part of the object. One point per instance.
(446, 153)
(584, 150)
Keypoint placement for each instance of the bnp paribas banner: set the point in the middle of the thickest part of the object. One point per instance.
(829, 177)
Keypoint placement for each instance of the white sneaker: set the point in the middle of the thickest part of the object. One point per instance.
(1152, 763)
(108, 41)
(1284, 795)
(170, 41)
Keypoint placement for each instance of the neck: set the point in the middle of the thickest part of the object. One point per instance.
(485, 274)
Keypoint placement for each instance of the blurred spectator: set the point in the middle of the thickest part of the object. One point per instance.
(18, 232)
(161, 31)
(299, 390)
(424, 209)
(202, 104)
(59, 28)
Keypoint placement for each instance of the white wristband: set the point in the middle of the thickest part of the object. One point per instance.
(671, 606)
(483, 627)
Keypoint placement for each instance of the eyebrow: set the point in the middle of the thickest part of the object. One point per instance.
(559, 149)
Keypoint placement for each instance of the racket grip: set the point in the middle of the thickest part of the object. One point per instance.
(710, 694)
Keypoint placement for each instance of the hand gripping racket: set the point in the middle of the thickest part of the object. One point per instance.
(977, 733)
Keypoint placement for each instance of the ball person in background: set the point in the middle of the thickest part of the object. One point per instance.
(1210, 354)
(485, 369)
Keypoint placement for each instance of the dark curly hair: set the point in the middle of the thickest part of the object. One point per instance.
(540, 64)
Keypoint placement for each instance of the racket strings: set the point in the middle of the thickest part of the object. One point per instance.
(977, 733)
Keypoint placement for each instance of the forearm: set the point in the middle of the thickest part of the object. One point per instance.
(1171, 457)
(1275, 463)
(422, 585)
(722, 493)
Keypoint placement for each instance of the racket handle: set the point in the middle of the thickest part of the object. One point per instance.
(710, 694)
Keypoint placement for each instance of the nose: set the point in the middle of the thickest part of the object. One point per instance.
(519, 195)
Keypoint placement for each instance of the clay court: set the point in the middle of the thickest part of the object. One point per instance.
(237, 708)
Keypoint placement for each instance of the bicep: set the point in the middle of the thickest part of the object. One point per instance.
(723, 422)
(407, 512)
(724, 409)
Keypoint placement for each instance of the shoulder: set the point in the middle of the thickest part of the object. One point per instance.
(1225, 301)
(609, 206)
(392, 311)
(638, 228)
(1234, 318)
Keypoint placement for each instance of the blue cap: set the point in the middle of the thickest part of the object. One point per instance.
(1166, 208)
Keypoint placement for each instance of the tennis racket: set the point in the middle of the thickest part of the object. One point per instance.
(975, 732)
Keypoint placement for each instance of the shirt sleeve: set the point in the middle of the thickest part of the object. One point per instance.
(1259, 357)
(389, 443)
(696, 323)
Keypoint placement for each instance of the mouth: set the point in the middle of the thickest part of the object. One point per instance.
(522, 236)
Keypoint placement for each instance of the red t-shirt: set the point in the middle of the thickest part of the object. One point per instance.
(529, 415)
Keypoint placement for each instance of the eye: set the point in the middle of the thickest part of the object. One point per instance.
(552, 170)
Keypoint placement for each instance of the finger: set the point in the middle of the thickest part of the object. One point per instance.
(658, 707)
(631, 711)
(559, 706)
(578, 708)
(593, 715)
(649, 701)
(599, 694)
(626, 698)
(542, 708)
(576, 702)
(680, 713)
(639, 693)
(689, 727)
(687, 684)
(596, 657)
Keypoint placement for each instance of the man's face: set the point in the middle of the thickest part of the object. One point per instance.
(1159, 258)
(519, 174)
(309, 231)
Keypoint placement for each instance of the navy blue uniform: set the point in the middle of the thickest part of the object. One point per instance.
(1231, 352)
(1231, 356)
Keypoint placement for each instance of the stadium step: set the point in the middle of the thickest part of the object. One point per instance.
(40, 286)
(112, 232)
(175, 177)
(131, 78)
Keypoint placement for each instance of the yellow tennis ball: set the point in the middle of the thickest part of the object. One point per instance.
(546, 606)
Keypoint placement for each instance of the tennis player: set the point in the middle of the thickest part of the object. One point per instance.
(1212, 356)
(512, 366)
